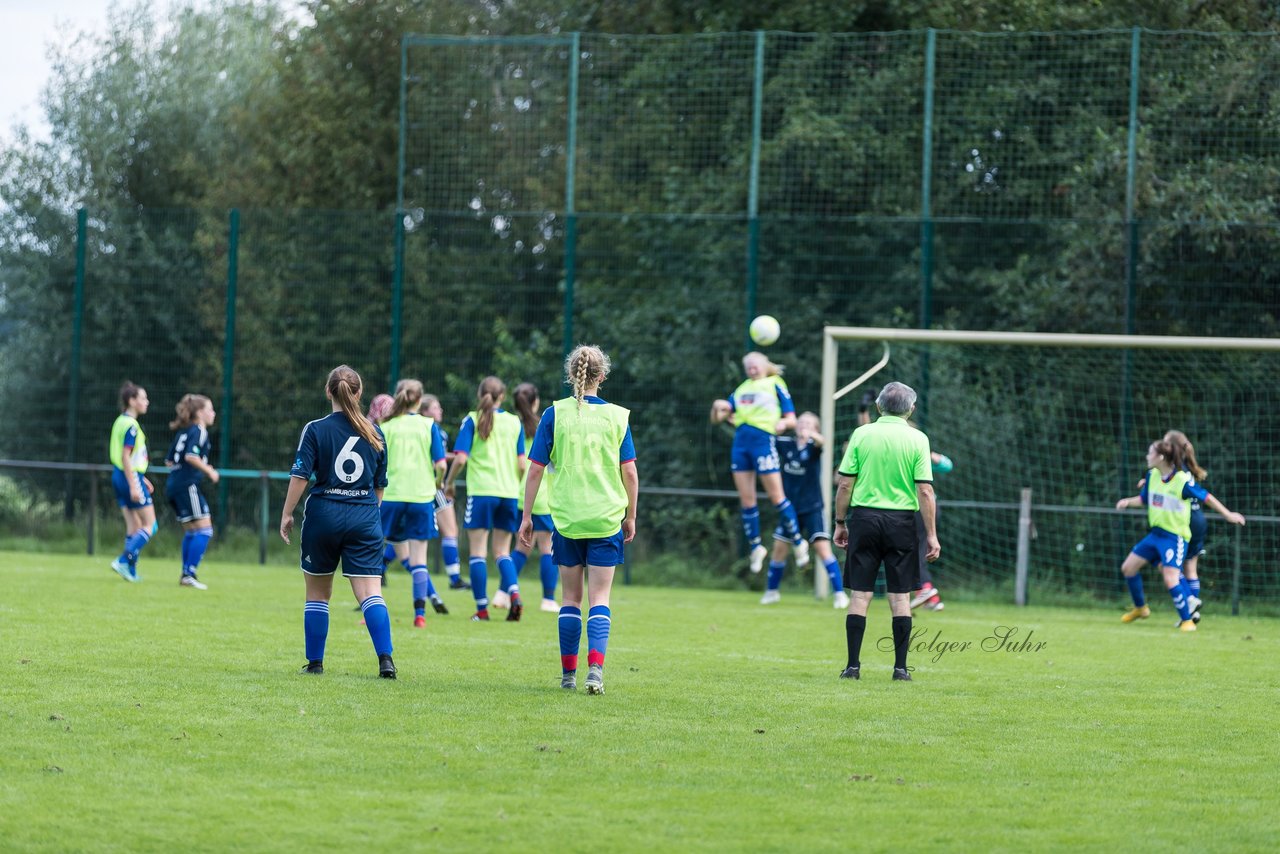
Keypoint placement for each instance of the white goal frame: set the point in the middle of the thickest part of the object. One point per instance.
(833, 335)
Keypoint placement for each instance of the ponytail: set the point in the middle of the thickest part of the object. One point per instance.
(128, 392)
(492, 391)
(344, 388)
(187, 410)
(524, 396)
(586, 367)
(1179, 440)
(408, 397)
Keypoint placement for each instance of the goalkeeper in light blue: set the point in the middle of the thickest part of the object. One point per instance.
(1167, 494)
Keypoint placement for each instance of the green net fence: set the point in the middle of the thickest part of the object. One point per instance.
(652, 193)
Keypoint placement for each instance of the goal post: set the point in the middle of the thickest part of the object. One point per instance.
(1069, 416)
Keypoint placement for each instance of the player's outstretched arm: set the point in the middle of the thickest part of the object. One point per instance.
(720, 411)
(1221, 509)
(1131, 501)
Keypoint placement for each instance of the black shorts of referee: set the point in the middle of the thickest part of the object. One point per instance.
(882, 536)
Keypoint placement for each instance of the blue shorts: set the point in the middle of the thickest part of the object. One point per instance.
(121, 486)
(542, 522)
(813, 526)
(594, 551)
(187, 501)
(333, 530)
(1161, 548)
(754, 450)
(408, 520)
(1199, 527)
(489, 513)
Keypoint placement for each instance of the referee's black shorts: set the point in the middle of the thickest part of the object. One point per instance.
(882, 536)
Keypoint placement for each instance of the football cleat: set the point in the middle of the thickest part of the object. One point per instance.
(840, 601)
(936, 605)
(386, 667)
(457, 583)
(802, 553)
(419, 622)
(124, 570)
(852, 672)
(923, 595)
(771, 597)
(1187, 626)
(315, 667)
(517, 608)
(900, 674)
(480, 616)
(500, 600)
(550, 606)
(1136, 613)
(758, 554)
(595, 679)
(193, 582)
(1193, 603)
(569, 681)
(438, 604)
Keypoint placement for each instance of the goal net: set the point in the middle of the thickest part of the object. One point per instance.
(1070, 417)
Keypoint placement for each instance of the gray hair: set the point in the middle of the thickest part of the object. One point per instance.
(896, 399)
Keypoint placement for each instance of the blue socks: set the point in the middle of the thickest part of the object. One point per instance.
(1193, 586)
(570, 624)
(378, 622)
(776, 568)
(550, 575)
(479, 582)
(833, 572)
(1178, 593)
(787, 514)
(597, 634)
(508, 581)
(1135, 590)
(421, 590)
(315, 625)
(519, 558)
(134, 545)
(449, 548)
(194, 544)
(751, 525)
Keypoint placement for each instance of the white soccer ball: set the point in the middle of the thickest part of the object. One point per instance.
(765, 330)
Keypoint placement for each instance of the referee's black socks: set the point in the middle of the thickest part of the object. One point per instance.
(901, 640)
(855, 626)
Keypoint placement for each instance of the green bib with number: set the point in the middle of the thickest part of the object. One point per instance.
(588, 499)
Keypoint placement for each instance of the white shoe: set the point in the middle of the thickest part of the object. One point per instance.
(500, 600)
(926, 593)
(758, 554)
(802, 553)
(840, 601)
(550, 606)
(192, 581)
(935, 606)
(771, 597)
(1193, 602)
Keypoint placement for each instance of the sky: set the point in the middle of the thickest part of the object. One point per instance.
(27, 28)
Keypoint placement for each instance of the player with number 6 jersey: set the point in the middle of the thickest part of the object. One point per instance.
(346, 454)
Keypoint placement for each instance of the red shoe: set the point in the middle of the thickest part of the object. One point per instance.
(480, 616)
(419, 622)
(517, 608)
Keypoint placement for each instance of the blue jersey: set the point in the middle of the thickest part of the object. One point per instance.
(346, 467)
(545, 437)
(193, 441)
(801, 473)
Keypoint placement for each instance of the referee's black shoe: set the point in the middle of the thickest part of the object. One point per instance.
(386, 667)
(900, 674)
(853, 672)
(313, 667)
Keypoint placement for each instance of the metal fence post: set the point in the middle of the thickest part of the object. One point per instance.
(1131, 255)
(1235, 573)
(1024, 549)
(397, 300)
(93, 512)
(77, 331)
(753, 188)
(570, 202)
(926, 218)
(229, 359)
(264, 514)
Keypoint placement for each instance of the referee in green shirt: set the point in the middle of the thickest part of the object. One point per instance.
(886, 476)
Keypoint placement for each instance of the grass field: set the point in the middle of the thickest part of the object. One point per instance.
(153, 718)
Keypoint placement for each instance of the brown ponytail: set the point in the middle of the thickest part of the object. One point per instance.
(344, 388)
(524, 396)
(586, 366)
(408, 397)
(1179, 439)
(488, 397)
(187, 410)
